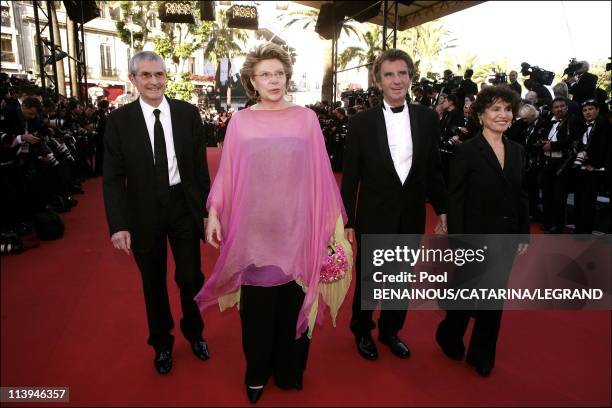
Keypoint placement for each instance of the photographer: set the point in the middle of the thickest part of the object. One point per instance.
(581, 83)
(513, 76)
(529, 131)
(467, 87)
(554, 154)
(591, 150)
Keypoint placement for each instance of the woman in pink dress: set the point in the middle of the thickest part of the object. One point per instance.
(273, 207)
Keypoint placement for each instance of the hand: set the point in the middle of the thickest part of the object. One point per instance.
(441, 227)
(349, 233)
(588, 167)
(546, 147)
(463, 130)
(122, 241)
(30, 138)
(213, 231)
(522, 248)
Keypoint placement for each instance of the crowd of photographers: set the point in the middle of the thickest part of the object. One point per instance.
(566, 135)
(47, 150)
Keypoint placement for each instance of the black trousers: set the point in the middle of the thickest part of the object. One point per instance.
(588, 184)
(176, 225)
(554, 194)
(481, 350)
(390, 321)
(268, 316)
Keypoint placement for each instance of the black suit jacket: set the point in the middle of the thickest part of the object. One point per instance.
(483, 198)
(584, 88)
(600, 142)
(130, 194)
(373, 195)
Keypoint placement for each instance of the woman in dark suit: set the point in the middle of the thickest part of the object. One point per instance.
(486, 197)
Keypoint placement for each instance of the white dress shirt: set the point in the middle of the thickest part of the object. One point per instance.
(166, 121)
(399, 136)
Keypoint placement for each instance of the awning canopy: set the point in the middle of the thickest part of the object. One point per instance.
(410, 13)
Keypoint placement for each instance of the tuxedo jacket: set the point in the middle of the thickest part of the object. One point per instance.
(483, 197)
(130, 194)
(375, 199)
(600, 143)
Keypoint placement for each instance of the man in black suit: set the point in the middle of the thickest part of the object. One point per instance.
(593, 144)
(155, 185)
(554, 154)
(582, 84)
(391, 165)
(513, 76)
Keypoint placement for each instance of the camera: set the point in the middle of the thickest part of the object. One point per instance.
(581, 157)
(572, 67)
(538, 74)
(498, 78)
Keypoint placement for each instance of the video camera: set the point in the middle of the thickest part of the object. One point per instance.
(572, 67)
(449, 85)
(537, 74)
(498, 78)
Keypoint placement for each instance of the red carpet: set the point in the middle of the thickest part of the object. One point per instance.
(73, 315)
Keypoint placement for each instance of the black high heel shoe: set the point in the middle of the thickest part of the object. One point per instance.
(254, 394)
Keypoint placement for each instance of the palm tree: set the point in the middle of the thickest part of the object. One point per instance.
(224, 42)
(372, 40)
(425, 43)
(308, 19)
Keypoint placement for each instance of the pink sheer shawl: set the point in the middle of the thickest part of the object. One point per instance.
(278, 204)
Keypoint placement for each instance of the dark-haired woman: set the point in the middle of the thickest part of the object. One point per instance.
(487, 199)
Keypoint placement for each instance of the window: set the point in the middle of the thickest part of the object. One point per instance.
(115, 13)
(106, 66)
(151, 21)
(6, 16)
(7, 48)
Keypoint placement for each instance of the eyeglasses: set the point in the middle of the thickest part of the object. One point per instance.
(267, 76)
(147, 76)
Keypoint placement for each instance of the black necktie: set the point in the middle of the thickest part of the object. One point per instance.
(161, 160)
(397, 109)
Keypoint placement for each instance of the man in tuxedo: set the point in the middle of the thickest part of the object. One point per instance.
(155, 187)
(554, 154)
(391, 166)
(593, 146)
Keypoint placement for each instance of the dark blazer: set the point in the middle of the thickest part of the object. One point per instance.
(384, 204)
(584, 88)
(600, 141)
(130, 194)
(483, 198)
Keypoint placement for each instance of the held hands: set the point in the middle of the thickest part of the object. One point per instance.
(30, 138)
(213, 230)
(441, 227)
(349, 233)
(522, 248)
(122, 241)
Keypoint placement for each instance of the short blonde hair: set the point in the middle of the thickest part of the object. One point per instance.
(260, 53)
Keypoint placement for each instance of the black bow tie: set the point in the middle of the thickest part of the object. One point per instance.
(590, 124)
(397, 109)
(554, 121)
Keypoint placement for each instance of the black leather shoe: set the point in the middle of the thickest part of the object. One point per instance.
(398, 347)
(163, 361)
(366, 347)
(200, 349)
(455, 352)
(254, 394)
(483, 370)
